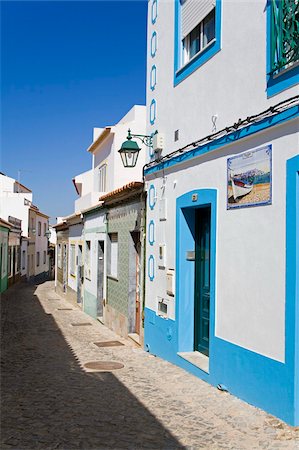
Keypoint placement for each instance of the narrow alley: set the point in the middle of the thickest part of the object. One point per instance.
(50, 401)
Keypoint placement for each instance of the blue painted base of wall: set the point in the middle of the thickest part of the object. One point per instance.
(90, 304)
(261, 381)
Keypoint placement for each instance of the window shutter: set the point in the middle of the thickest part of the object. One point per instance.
(193, 12)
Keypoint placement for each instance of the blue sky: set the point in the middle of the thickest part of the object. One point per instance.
(66, 67)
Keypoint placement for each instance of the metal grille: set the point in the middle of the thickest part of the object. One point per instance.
(284, 34)
(103, 365)
(108, 344)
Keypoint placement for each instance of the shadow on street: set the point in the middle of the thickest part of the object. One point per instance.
(48, 402)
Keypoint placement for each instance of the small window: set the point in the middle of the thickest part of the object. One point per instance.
(45, 257)
(102, 178)
(59, 257)
(72, 259)
(37, 259)
(200, 37)
(32, 261)
(87, 266)
(23, 260)
(113, 255)
(45, 229)
(39, 228)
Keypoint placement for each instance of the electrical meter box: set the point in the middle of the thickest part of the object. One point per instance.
(170, 282)
(158, 142)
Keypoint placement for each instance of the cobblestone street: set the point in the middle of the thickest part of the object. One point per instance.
(49, 401)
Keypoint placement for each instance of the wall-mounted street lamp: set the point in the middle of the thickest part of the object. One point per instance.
(129, 150)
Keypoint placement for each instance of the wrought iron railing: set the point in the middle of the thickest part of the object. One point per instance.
(284, 34)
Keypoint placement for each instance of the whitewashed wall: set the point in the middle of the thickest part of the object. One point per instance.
(75, 238)
(250, 247)
(94, 230)
(41, 245)
(232, 84)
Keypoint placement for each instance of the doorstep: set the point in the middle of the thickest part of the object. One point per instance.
(197, 359)
(135, 337)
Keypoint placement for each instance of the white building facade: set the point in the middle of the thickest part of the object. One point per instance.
(106, 174)
(221, 298)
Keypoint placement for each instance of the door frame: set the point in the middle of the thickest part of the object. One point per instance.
(186, 207)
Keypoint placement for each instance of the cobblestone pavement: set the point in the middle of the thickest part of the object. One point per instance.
(50, 402)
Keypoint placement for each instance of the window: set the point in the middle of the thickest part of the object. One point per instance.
(45, 257)
(37, 259)
(23, 260)
(39, 228)
(32, 261)
(45, 229)
(59, 257)
(113, 255)
(72, 259)
(282, 45)
(87, 260)
(197, 35)
(102, 178)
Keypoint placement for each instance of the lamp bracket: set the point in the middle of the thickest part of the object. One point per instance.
(145, 139)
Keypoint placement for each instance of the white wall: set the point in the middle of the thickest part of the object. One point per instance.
(250, 247)
(75, 238)
(94, 226)
(107, 153)
(41, 245)
(232, 84)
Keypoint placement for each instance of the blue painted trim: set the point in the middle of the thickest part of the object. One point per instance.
(152, 198)
(259, 380)
(230, 206)
(154, 44)
(151, 232)
(286, 78)
(180, 73)
(153, 111)
(229, 139)
(153, 77)
(292, 276)
(154, 11)
(185, 240)
(151, 268)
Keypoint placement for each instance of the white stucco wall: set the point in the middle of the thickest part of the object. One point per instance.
(250, 247)
(94, 230)
(41, 245)
(75, 238)
(107, 153)
(231, 85)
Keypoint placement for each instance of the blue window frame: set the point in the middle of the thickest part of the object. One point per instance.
(201, 44)
(282, 45)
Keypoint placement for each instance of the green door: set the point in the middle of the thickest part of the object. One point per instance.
(202, 280)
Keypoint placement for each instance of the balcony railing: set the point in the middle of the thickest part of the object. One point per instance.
(284, 34)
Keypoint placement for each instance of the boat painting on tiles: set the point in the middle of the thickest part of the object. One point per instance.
(249, 178)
